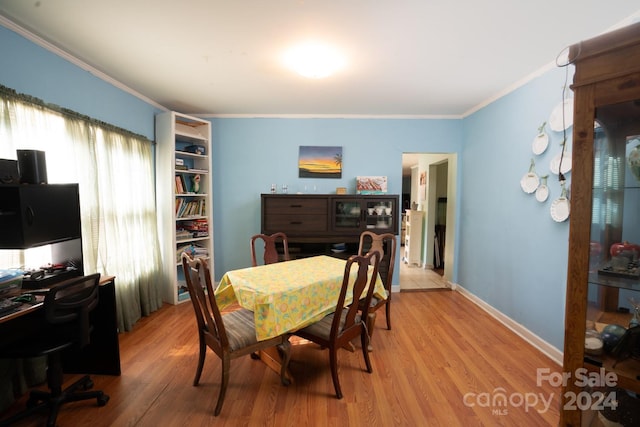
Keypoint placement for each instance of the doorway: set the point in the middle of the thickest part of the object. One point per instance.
(428, 185)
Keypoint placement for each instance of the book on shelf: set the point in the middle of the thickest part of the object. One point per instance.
(193, 208)
(194, 250)
(200, 224)
(182, 234)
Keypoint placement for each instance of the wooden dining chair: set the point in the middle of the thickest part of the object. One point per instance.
(230, 335)
(271, 242)
(337, 329)
(370, 241)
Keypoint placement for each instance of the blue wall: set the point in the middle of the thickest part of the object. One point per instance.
(511, 253)
(251, 154)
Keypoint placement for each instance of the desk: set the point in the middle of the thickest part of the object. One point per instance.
(287, 296)
(101, 356)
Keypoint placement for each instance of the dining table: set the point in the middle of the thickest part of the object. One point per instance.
(289, 295)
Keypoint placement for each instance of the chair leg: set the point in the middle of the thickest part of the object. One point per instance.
(333, 361)
(388, 313)
(370, 323)
(364, 338)
(224, 381)
(201, 355)
(285, 355)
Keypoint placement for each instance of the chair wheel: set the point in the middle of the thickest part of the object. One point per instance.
(87, 385)
(255, 356)
(102, 400)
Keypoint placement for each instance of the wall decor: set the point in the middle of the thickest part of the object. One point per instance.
(371, 184)
(319, 162)
(530, 181)
(541, 141)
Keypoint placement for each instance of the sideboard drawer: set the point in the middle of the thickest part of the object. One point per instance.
(291, 224)
(296, 205)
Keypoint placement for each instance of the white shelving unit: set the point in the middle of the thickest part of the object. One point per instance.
(183, 196)
(413, 237)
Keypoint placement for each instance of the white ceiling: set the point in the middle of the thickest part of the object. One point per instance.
(406, 58)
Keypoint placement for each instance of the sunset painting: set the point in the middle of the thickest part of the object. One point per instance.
(320, 162)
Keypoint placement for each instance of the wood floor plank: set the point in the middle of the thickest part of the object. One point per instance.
(442, 348)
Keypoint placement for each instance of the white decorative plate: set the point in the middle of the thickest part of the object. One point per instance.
(542, 193)
(555, 120)
(554, 165)
(540, 143)
(529, 182)
(560, 209)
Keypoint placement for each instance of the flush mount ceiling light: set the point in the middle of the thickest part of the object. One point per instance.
(314, 60)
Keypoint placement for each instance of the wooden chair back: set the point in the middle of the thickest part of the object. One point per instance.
(210, 325)
(385, 244)
(362, 289)
(271, 242)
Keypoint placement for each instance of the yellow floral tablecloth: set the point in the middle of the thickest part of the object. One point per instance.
(287, 296)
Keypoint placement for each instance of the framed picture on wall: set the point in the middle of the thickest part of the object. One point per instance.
(320, 162)
(371, 184)
(423, 186)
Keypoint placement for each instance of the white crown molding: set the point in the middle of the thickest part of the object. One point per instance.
(329, 116)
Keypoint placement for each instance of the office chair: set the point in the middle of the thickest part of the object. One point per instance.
(66, 307)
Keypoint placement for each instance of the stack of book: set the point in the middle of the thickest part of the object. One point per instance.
(195, 251)
(197, 227)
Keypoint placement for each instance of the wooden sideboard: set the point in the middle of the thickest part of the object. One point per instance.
(319, 223)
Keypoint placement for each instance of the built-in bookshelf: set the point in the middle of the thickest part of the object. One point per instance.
(184, 195)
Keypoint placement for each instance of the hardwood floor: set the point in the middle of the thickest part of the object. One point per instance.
(443, 363)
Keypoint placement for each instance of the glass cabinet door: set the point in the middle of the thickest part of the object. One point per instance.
(379, 215)
(612, 337)
(347, 214)
(364, 213)
(615, 221)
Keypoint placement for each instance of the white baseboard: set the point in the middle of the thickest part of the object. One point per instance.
(552, 352)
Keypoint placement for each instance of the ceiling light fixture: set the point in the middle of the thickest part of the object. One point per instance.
(314, 60)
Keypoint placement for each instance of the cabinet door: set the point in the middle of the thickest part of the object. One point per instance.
(380, 215)
(347, 215)
(354, 215)
(613, 295)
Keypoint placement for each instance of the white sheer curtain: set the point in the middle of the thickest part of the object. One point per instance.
(114, 170)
